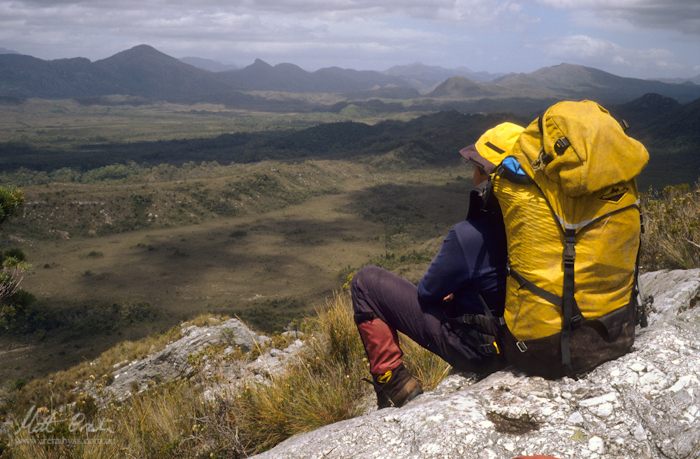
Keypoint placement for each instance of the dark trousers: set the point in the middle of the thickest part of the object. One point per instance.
(385, 303)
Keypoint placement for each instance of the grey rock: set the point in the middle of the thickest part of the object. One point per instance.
(229, 376)
(174, 360)
(274, 361)
(645, 404)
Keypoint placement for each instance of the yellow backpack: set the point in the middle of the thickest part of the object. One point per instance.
(573, 226)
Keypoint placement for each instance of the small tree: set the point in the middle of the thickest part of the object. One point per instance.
(13, 265)
(11, 199)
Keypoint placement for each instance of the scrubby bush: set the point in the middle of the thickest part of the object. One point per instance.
(11, 199)
(672, 228)
(14, 302)
(17, 313)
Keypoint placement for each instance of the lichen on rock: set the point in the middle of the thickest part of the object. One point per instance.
(645, 404)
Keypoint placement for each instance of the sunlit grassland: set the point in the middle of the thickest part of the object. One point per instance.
(67, 124)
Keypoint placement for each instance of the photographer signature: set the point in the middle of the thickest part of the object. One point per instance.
(44, 421)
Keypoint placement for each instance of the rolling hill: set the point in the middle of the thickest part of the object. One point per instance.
(671, 133)
(460, 87)
(641, 112)
(427, 77)
(289, 77)
(567, 81)
(27, 76)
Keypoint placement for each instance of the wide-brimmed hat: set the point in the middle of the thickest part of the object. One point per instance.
(493, 146)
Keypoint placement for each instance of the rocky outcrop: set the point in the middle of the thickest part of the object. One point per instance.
(217, 356)
(175, 360)
(645, 404)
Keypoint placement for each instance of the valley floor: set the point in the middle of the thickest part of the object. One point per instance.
(268, 265)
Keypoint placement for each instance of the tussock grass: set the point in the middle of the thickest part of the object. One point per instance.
(160, 423)
(672, 228)
(323, 385)
(426, 366)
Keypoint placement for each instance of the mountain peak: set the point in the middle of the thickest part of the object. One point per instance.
(259, 63)
(566, 67)
(142, 50)
(139, 52)
(288, 66)
(142, 47)
(652, 102)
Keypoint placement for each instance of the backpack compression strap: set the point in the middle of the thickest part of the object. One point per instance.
(571, 315)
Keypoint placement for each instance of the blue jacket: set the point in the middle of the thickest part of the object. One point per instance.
(472, 260)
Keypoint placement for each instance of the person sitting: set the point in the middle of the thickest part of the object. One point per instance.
(467, 276)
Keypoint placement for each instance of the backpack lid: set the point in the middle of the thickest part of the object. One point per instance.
(585, 149)
(493, 146)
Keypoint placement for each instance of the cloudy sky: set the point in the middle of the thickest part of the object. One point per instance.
(642, 38)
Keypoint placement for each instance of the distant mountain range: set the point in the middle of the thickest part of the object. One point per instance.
(694, 80)
(289, 77)
(147, 73)
(565, 81)
(418, 76)
(141, 71)
(7, 51)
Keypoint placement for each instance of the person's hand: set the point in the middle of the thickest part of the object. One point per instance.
(449, 298)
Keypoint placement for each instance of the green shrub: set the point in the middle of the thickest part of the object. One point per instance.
(18, 314)
(16, 254)
(11, 199)
(672, 228)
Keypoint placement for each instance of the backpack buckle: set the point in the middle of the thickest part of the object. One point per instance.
(542, 160)
(569, 254)
(569, 249)
(521, 346)
(561, 145)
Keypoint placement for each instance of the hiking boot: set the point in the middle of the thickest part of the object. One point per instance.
(395, 388)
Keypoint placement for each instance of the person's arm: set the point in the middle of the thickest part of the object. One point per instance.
(447, 272)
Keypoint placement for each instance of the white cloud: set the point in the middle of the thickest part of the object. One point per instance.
(676, 15)
(358, 33)
(249, 28)
(604, 54)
